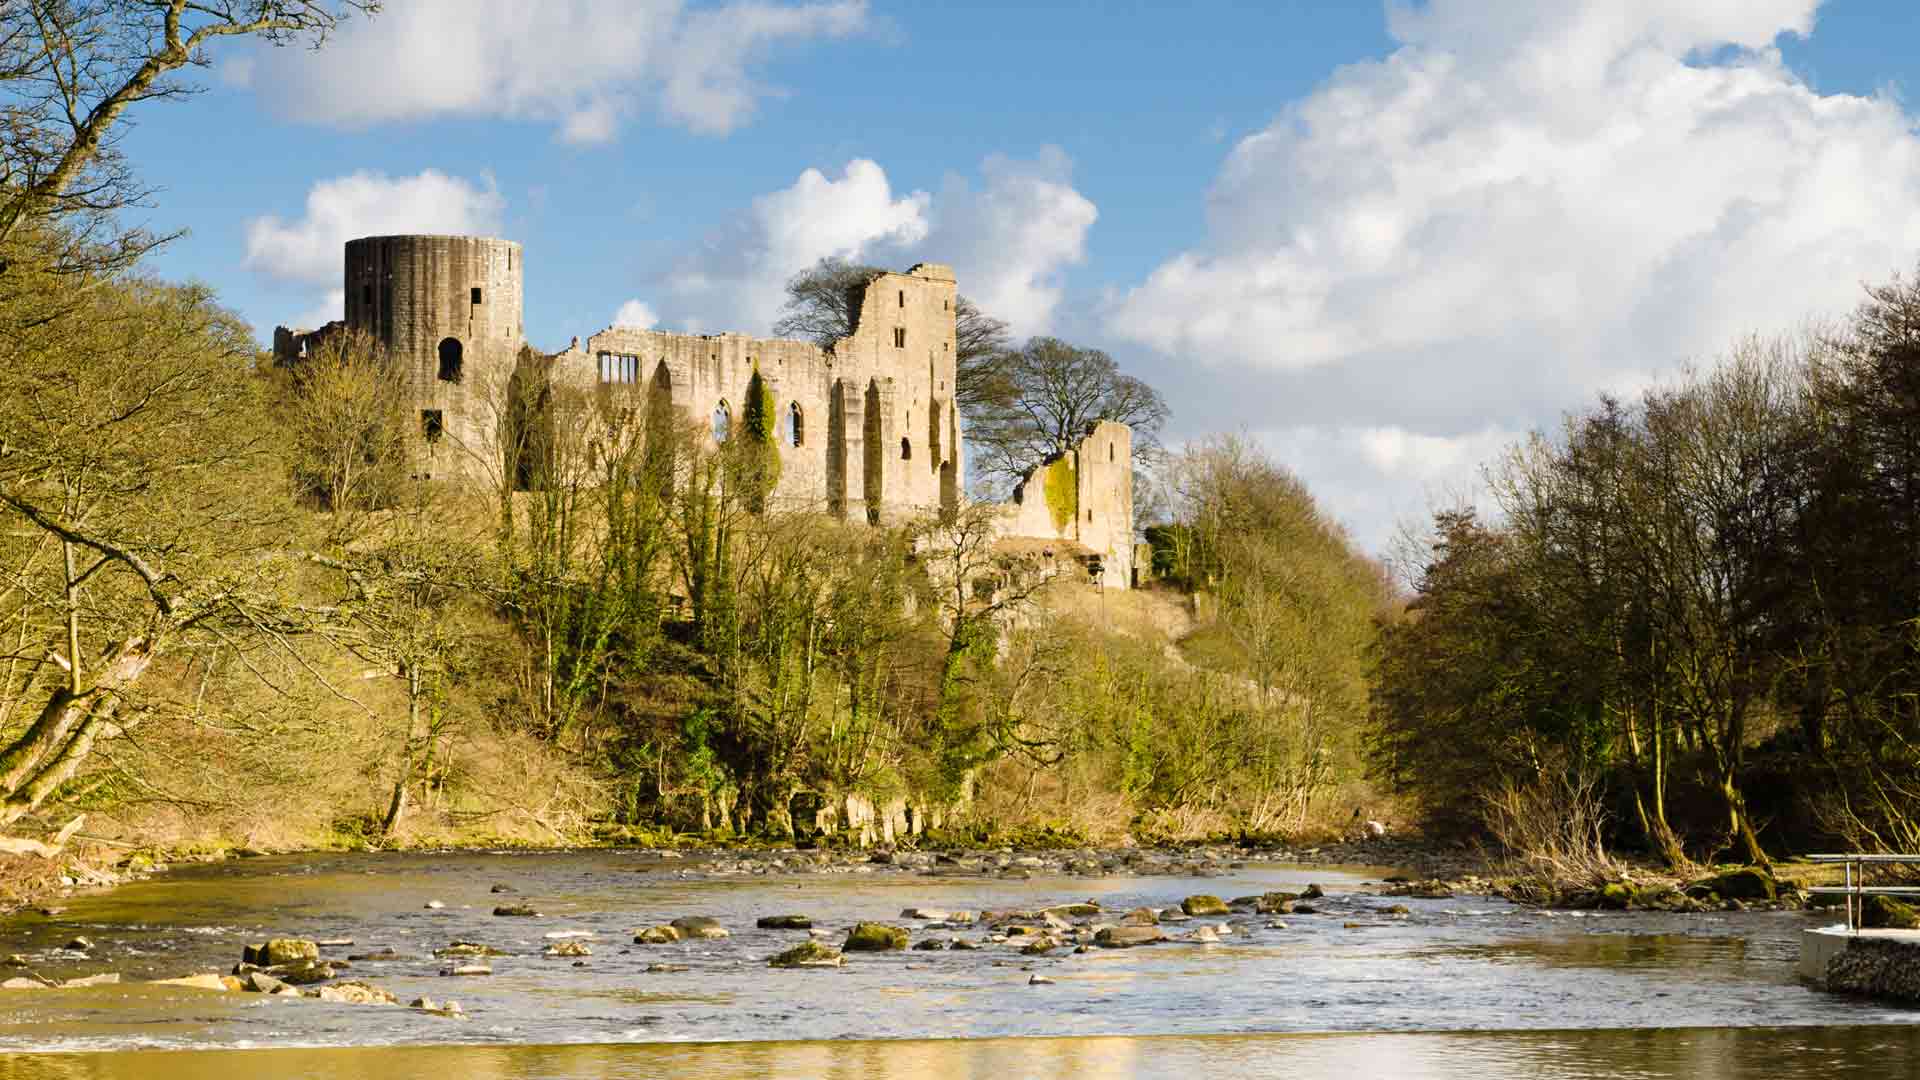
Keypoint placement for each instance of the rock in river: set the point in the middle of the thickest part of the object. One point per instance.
(355, 993)
(808, 954)
(699, 926)
(1204, 904)
(516, 911)
(657, 935)
(281, 951)
(1126, 937)
(875, 937)
(784, 922)
(201, 982)
(467, 948)
(569, 948)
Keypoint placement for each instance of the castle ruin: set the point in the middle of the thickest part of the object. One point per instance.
(867, 428)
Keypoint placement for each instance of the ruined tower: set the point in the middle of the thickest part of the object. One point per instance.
(448, 310)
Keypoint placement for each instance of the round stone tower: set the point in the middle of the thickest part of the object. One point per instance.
(448, 310)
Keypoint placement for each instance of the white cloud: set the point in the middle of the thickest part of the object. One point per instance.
(332, 306)
(1527, 201)
(635, 315)
(737, 280)
(1011, 239)
(367, 204)
(1008, 240)
(582, 64)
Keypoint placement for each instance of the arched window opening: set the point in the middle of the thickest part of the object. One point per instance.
(450, 360)
(1109, 451)
(906, 450)
(722, 422)
(796, 424)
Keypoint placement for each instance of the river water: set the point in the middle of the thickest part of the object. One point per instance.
(1461, 986)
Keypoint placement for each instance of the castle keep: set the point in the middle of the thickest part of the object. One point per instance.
(866, 428)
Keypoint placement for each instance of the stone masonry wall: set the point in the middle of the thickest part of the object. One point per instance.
(875, 410)
(877, 436)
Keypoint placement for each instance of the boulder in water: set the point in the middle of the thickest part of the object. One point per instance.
(808, 954)
(657, 935)
(355, 993)
(1204, 904)
(875, 937)
(784, 922)
(1126, 937)
(699, 926)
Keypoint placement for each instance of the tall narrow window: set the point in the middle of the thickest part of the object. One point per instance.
(899, 337)
(450, 360)
(432, 424)
(796, 422)
(906, 450)
(366, 295)
(903, 298)
(474, 295)
(722, 422)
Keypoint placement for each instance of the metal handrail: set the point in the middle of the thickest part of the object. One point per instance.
(1856, 892)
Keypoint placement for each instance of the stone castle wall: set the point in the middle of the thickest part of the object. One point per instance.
(867, 429)
(878, 437)
(1083, 501)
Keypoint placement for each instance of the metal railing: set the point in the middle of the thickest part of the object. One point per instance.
(1856, 890)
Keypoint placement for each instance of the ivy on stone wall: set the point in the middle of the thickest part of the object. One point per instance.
(760, 447)
(1062, 487)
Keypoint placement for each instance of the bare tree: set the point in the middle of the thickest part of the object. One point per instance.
(146, 519)
(69, 71)
(349, 426)
(1052, 392)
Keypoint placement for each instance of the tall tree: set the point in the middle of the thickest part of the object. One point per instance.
(1052, 392)
(145, 505)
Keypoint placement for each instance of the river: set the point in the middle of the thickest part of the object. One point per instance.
(1464, 986)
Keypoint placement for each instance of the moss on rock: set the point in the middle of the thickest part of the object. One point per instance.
(875, 937)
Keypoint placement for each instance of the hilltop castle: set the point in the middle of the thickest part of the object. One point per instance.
(867, 427)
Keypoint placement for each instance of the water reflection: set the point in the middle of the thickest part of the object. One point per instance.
(1717, 1054)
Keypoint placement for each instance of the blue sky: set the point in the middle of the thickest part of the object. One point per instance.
(1383, 240)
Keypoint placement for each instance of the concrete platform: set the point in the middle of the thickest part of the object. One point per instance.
(1818, 947)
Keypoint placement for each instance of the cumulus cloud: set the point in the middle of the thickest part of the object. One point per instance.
(367, 204)
(1013, 236)
(636, 316)
(584, 65)
(1526, 201)
(1008, 236)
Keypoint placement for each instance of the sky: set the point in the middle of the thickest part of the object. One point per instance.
(1382, 240)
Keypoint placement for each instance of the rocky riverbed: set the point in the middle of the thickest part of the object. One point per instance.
(617, 946)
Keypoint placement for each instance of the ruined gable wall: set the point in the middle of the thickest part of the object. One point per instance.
(878, 430)
(1083, 500)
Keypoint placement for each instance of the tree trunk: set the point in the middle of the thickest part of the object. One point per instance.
(57, 744)
(397, 808)
(1742, 823)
